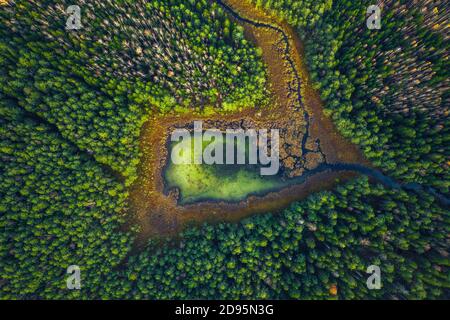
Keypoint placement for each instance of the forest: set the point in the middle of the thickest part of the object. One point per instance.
(317, 249)
(55, 74)
(72, 104)
(387, 90)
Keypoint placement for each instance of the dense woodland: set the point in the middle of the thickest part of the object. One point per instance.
(98, 84)
(72, 103)
(58, 207)
(317, 249)
(387, 90)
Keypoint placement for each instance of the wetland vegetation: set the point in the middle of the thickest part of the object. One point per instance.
(85, 122)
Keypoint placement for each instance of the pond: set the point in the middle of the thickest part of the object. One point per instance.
(228, 182)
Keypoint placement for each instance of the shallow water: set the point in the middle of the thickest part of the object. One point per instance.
(229, 182)
(234, 183)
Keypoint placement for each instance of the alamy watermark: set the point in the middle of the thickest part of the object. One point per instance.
(374, 280)
(374, 19)
(73, 22)
(241, 147)
(74, 280)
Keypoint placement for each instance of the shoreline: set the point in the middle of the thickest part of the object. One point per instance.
(159, 213)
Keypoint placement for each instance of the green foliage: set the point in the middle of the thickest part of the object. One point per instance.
(381, 87)
(385, 89)
(329, 239)
(71, 107)
(99, 84)
(299, 13)
(57, 208)
(72, 104)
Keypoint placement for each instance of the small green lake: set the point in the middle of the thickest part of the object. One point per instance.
(228, 182)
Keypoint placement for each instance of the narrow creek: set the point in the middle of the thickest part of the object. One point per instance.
(160, 212)
(336, 167)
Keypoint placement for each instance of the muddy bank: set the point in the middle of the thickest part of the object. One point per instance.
(309, 140)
